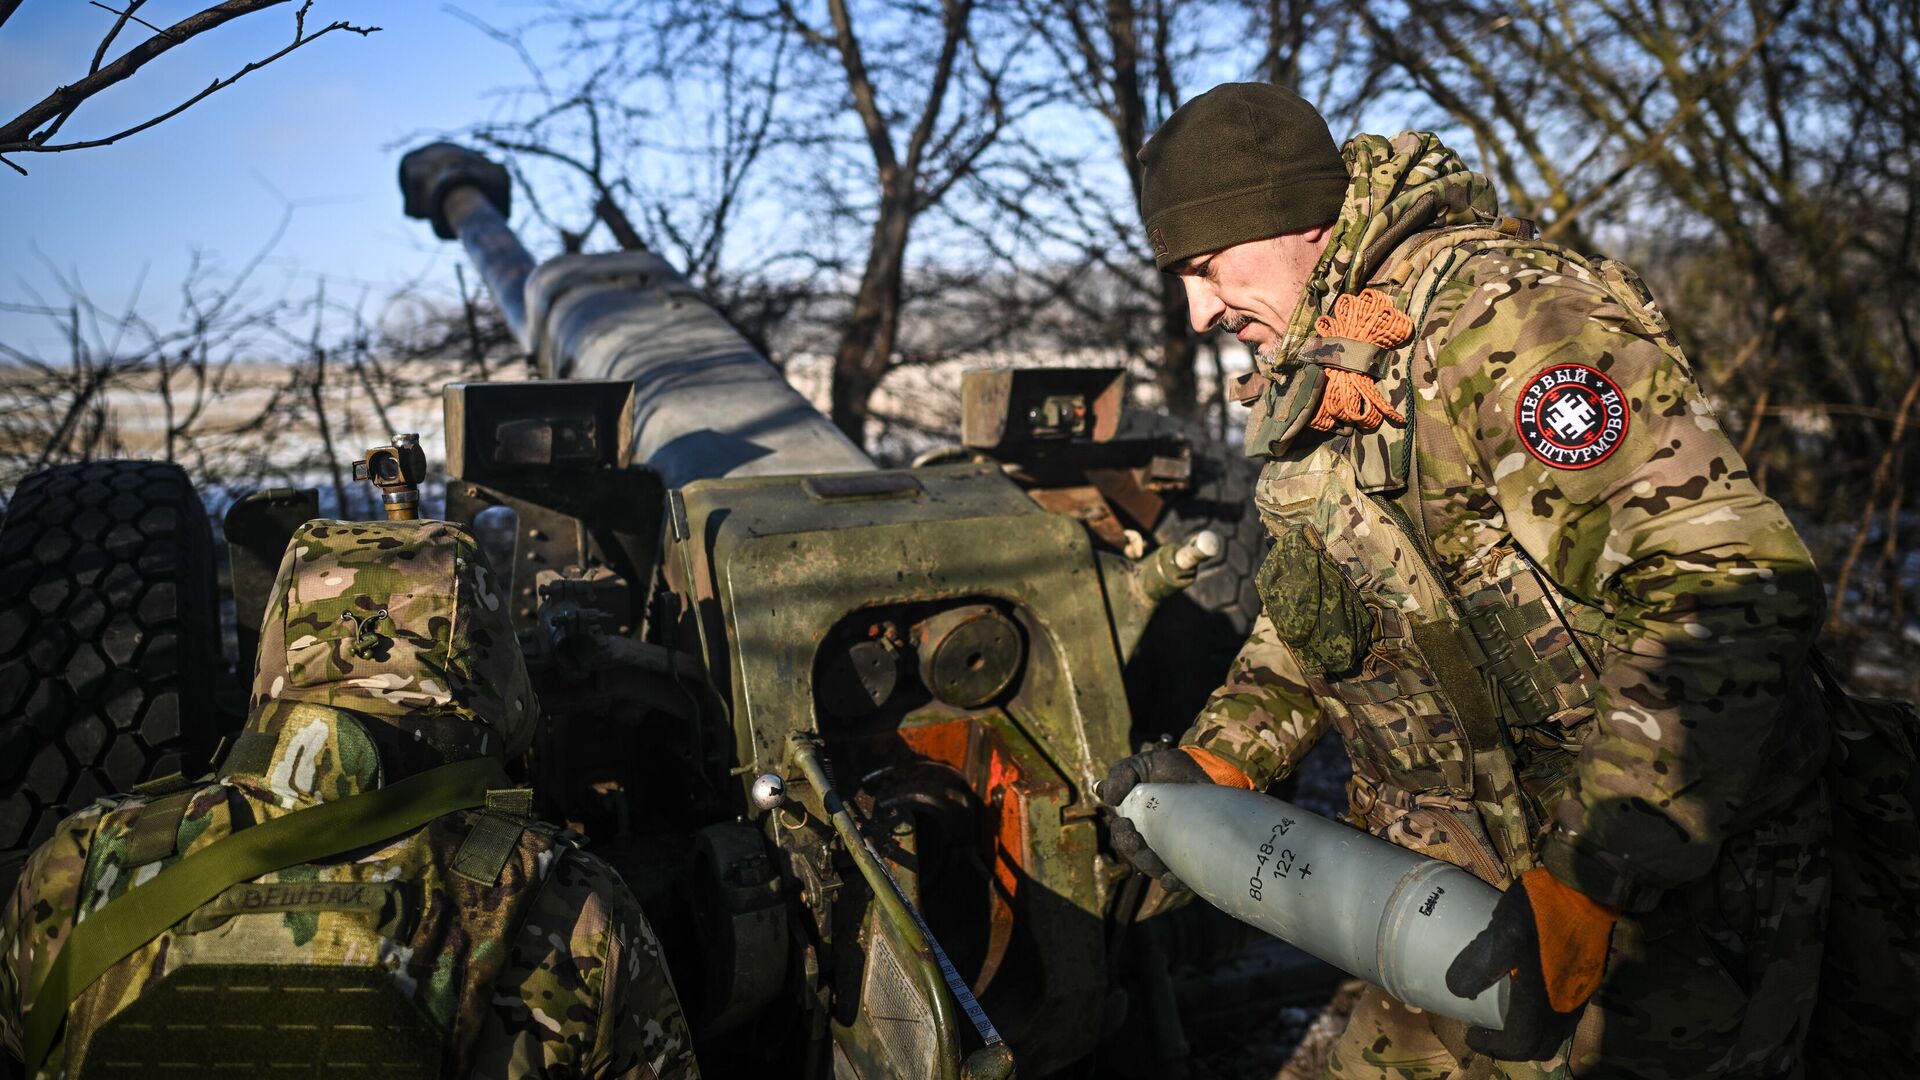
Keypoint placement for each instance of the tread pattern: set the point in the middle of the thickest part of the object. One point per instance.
(109, 641)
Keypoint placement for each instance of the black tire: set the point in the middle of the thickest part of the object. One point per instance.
(1194, 635)
(109, 641)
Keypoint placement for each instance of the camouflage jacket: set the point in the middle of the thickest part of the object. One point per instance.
(542, 964)
(1589, 563)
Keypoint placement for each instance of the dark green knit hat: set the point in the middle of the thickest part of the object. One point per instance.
(1243, 161)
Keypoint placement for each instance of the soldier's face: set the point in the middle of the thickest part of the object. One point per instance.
(1252, 289)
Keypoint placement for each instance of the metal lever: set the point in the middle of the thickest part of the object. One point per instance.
(993, 1061)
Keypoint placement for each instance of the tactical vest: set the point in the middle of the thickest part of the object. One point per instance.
(378, 963)
(1462, 692)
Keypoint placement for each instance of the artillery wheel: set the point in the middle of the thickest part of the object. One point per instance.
(109, 641)
(1195, 633)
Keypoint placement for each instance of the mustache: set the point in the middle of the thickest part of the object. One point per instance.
(1233, 323)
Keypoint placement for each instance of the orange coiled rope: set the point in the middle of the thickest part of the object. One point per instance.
(1352, 397)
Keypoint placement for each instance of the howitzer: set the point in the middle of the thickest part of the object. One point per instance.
(721, 597)
(724, 597)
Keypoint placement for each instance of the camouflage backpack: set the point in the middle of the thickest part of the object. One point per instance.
(382, 963)
(271, 920)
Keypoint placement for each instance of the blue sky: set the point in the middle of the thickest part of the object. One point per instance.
(322, 128)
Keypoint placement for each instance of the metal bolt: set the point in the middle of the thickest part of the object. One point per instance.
(769, 791)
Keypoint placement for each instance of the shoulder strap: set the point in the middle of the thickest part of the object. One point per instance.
(1459, 665)
(1413, 276)
(118, 929)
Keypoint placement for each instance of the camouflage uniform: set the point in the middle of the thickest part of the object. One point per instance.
(386, 651)
(1596, 665)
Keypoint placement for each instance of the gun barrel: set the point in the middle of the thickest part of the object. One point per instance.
(707, 404)
(1391, 916)
(496, 252)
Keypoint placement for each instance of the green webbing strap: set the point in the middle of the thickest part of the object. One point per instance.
(118, 929)
(1450, 649)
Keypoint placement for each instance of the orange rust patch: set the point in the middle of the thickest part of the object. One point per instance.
(945, 742)
(1003, 775)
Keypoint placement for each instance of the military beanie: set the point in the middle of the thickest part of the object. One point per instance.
(1241, 162)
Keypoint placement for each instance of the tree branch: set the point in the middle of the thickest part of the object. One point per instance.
(17, 136)
(860, 85)
(954, 17)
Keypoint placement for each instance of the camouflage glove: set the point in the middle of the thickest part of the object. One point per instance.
(1553, 940)
(1160, 765)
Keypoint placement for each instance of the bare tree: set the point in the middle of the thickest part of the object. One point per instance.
(33, 130)
(596, 115)
(1121, 60)
(883, 111)
(243, 392)
(959, 117)
(929, 100)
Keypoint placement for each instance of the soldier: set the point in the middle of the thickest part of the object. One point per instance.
(359, 887)
(1521, 573)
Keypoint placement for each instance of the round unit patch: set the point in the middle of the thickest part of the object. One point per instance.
(1571, 416)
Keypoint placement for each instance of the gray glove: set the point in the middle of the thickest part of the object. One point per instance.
(1160, 765)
